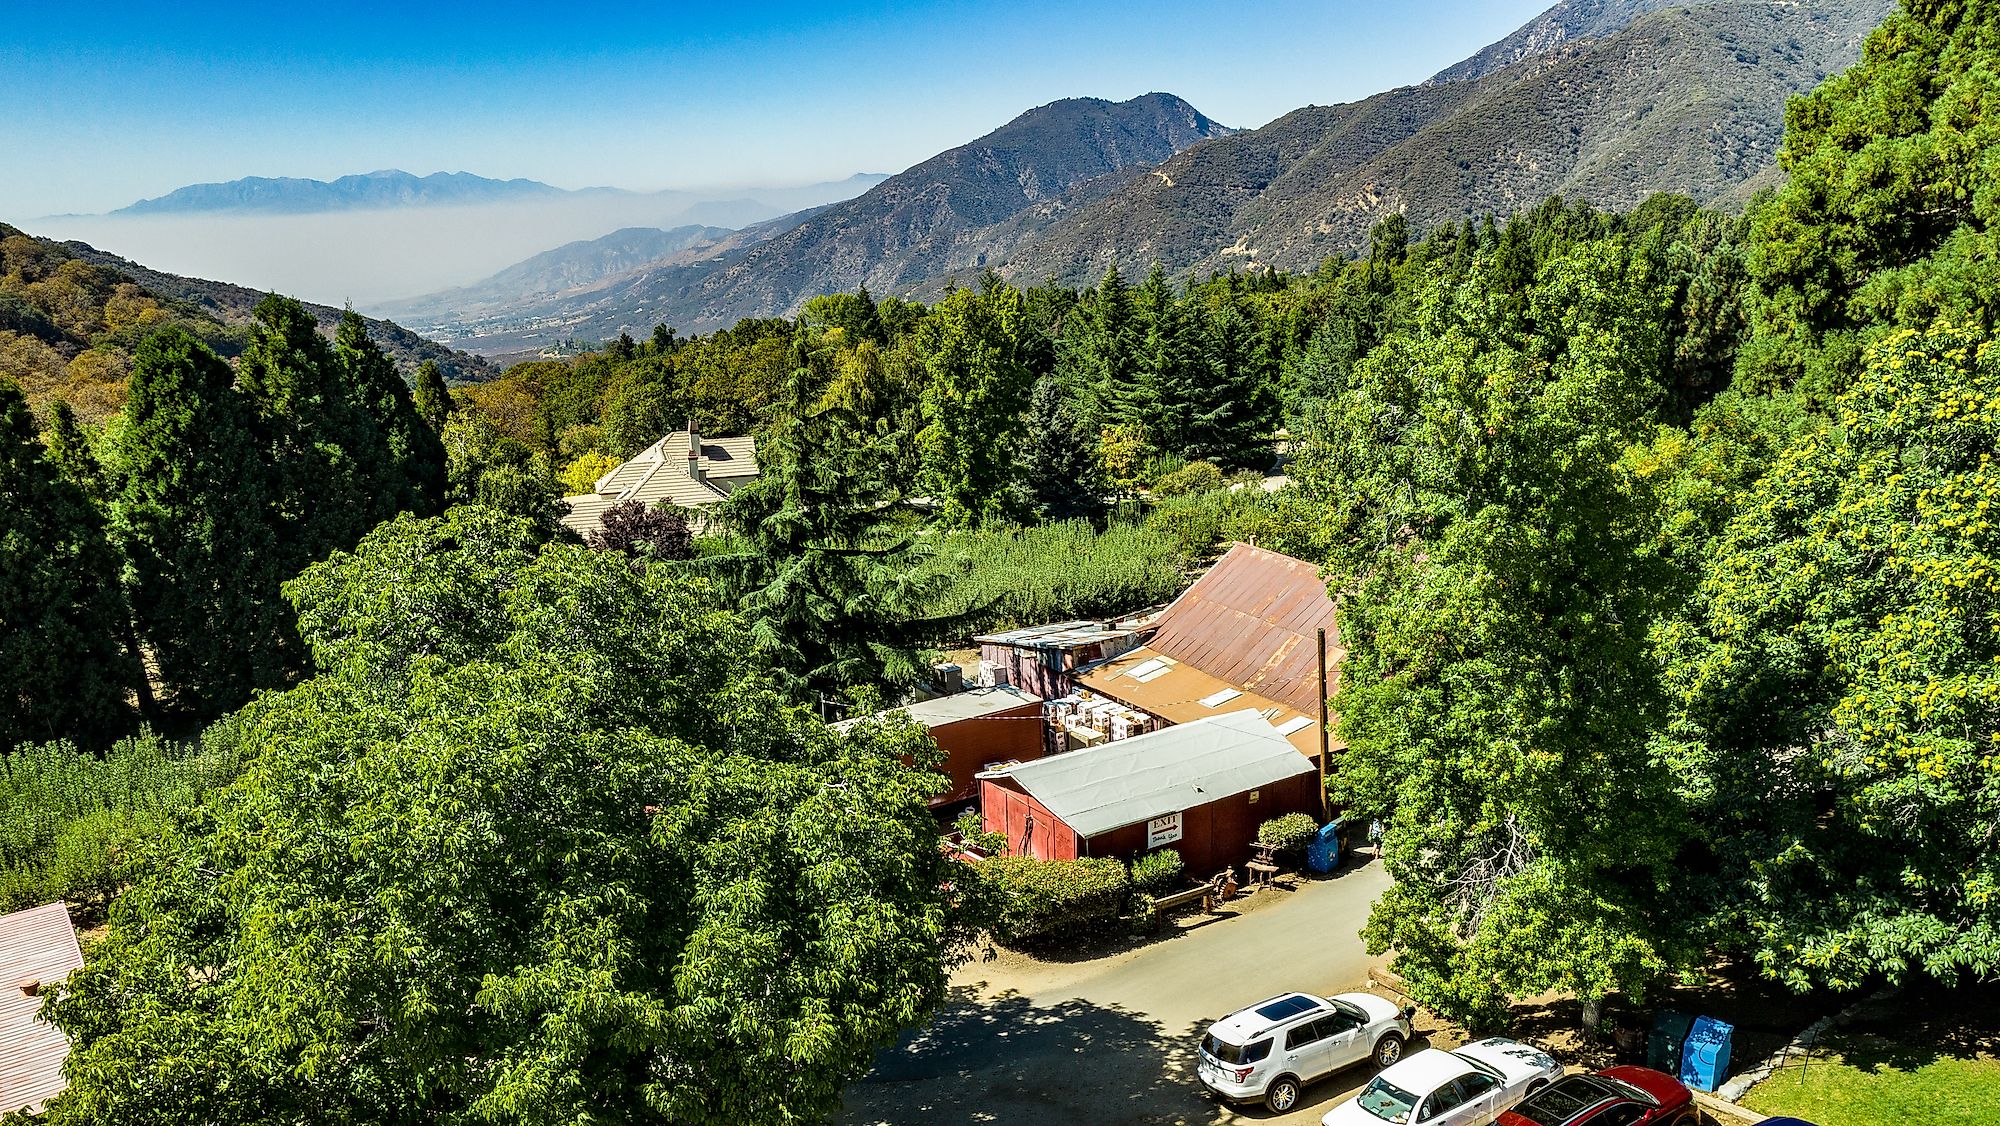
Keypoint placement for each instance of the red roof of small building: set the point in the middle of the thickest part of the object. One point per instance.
(38, 948)
(1250, 622)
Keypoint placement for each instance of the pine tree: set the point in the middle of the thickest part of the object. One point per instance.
(62, 663)
(432, 398)
(192, 520)
(831, 584)
(1060, 464)
(1169, 365)
(1232, 411)
(1097, 356)
(317, 440)
(70, 452)
(403, 468)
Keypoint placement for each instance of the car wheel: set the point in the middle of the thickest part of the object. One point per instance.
(1283, 1095)
(1388, 1050)
(1537, 1085)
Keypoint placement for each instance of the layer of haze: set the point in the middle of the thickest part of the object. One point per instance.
(136, 100)
(369, 257)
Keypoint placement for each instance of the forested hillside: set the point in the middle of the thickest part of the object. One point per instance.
(72, 317)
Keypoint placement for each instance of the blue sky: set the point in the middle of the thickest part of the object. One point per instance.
(105, 103)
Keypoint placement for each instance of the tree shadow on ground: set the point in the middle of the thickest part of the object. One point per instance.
(1008, 1061)
(1011, 1062)
(1924, 1023)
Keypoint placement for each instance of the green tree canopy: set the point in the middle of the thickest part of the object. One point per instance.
(192, 518)
(566, 857)
(1887, 217)
(829, 578)
(1837, 715)
(974, 391)
(63, 662)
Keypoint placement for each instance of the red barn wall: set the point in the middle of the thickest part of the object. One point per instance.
(1030, 829)
(969, 745)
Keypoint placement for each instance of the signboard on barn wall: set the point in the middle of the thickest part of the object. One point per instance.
(1163, 830)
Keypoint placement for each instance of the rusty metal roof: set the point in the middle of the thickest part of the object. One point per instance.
(37, 949)
(1180, 693)
(1250, 620)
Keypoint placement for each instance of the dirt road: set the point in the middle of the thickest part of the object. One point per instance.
(1110, 1042)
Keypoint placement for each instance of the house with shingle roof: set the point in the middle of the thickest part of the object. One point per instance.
(682, 469)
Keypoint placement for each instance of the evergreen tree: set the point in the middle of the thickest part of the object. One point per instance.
(70, 452)
(1887, 217)
(62, 660)
(1060, 465)
(1231, 410)
(402, 470)
(974, 392)
(830, 582)
(1098, 353)
(432, 398)
(318, 442)
(191, 519)
(1166, 364)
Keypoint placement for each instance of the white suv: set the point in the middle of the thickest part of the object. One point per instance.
(1272, 1049)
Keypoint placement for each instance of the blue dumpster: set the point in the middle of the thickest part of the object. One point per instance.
(1705, 1059)
(1663, 1048)
(1323, 852)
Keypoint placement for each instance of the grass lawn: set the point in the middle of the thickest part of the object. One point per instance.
(1865, 1080)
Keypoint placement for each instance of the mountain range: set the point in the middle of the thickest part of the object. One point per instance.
(395, 188)
(1604, 100)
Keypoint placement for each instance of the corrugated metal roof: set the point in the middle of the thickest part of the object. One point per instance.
(1061, 635)
(970, 704)
(1176, 768)
(1175, 692)
(37, 945)
(1250, 622)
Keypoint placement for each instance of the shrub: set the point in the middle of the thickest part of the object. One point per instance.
(1053, 898)
(1288, 833)
(67, 817)
(972, 832)
(1158, 872)
(1012, 577)
(1194, 477)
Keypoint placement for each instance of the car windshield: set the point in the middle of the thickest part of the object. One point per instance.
(1351, 1010)
(1387, 1101)
(1235, 1053)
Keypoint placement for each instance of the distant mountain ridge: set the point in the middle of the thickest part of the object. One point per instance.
(1683, 99)
(387, 188)
(911, 227)
(1607, 101)
(1567, 21)
(568, 267)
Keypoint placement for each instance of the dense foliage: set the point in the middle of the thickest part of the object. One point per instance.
(540, 843)
(1006, 578)
(69, 820)
(1158, 872)
(1048, 899)
(1288, 833)
(64, 668)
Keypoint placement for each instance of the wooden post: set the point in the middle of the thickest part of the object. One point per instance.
(1325, 740)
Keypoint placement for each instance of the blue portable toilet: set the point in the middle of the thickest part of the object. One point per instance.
(1323, 851)
(1705, 1057)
